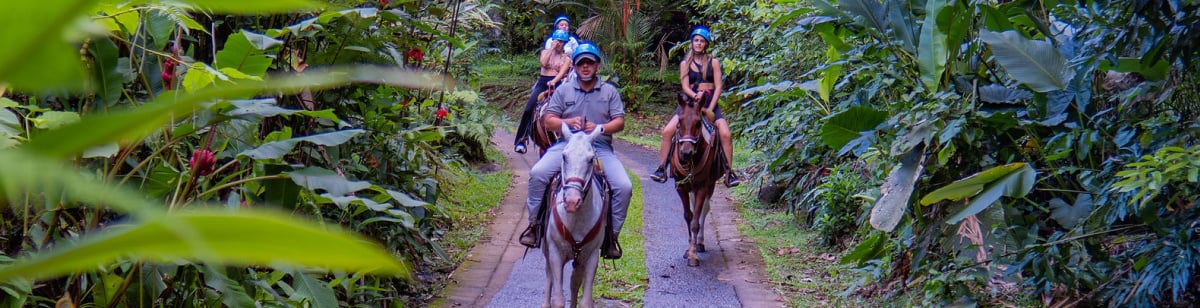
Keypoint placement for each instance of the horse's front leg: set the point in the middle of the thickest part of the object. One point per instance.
(554, 268)
(703, 205)
(693, 229)
(584, 276)
(685, 196)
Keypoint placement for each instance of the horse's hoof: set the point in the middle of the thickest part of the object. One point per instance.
(693, 262)
(700, 248)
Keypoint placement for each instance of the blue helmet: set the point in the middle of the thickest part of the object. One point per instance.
(560, 35)
(586, 50)
(561, 18)
(702, 31)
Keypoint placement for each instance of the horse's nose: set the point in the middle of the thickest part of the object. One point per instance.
(686, 150)
(572, 200)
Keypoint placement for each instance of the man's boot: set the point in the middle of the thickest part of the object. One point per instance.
(611, 248)
(660, 174)
(530, 237)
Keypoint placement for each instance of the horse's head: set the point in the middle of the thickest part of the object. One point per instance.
(577, 166)
(689, 128)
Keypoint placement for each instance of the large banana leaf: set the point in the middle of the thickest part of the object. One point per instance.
(850, 125)
(870, 12)
(139, 122)
(932, 54)
(1037, 64)
(985, 188)
(39, 52)
(897, 190)
(276, 149)
(213, 236)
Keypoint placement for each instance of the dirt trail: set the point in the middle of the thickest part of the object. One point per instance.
(496, 275)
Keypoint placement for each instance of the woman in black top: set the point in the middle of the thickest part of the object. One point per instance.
(555, 64)
(701, 79)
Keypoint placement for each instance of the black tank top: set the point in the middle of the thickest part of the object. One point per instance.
(695, 77)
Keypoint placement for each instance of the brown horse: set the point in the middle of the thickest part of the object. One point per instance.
(695, 167)
(542, 137)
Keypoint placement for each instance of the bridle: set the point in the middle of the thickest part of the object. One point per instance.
(688, 165)
(583, 187)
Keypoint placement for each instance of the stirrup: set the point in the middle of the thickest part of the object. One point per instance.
(529, 238)
(611, 249)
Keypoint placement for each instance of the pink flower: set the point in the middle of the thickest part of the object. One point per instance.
(203, 162)
(442, 113)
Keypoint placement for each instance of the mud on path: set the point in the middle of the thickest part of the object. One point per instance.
(496, 274)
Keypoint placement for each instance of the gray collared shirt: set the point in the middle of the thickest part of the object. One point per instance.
(600, 105)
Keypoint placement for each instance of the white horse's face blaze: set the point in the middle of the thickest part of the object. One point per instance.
(578, 158)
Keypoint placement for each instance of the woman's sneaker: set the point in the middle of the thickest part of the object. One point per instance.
(732, 180)
(660, 174)
(520, 148)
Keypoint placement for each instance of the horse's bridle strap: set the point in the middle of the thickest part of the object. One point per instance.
(577, 246)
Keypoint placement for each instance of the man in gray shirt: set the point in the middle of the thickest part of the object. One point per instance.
(584, 104)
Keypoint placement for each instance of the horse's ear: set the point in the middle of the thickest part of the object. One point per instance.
(566, 131)
(596, 132)
(682, 98)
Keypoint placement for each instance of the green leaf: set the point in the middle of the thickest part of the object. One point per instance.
(315, 178)
(145, 119)
(405, 199)
(107, 150)
(198, 76)
(1069, 216)
(1014, 184)
(871, 12)
(995, 93)
(277, 149)
(972, 185)
(37, 51)
(107, 77)
(215, 237)
(1037, 64)
(830, 75)
(900, 21)
(317, 292)
(1135, 65)
(55, 119)
(868, 249)
(849, 124)
(897, 189)
(23, 171)
(932, 54)
(242, 53)
(995, 20)
(257, 7)
(258, 109)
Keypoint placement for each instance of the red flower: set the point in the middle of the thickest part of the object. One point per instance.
(384, 2)
(415, 56)
(168, 73)
(442, 113)
(202, 162)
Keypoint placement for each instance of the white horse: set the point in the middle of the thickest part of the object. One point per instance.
(576, 223)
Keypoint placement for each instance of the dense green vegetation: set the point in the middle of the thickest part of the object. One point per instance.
(233, 130)
(1012, 146)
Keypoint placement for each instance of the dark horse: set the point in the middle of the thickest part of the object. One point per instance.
(695, 167)
(542, 137)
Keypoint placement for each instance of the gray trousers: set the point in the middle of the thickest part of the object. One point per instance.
(614, 171)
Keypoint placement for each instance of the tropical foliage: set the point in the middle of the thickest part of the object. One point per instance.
(1036, 145)
(165, 153)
